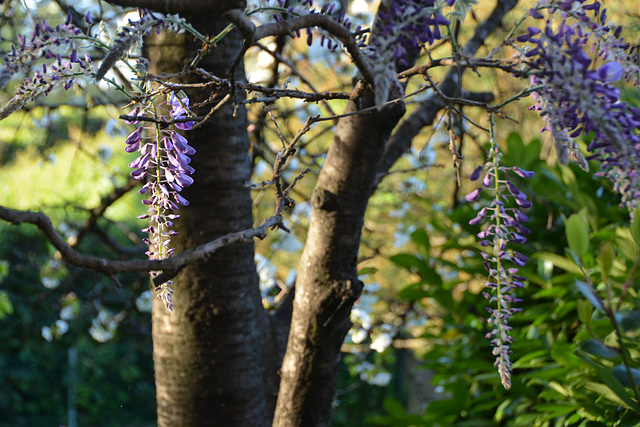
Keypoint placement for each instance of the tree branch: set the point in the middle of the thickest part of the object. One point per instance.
(184, 7)
(170, 266)
(287, 27)
(401, 140)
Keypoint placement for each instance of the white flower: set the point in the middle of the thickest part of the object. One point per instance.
(47, 334)
(380, 379)
(61, 327)
(67, 313)
(50, 282)
(144, 302)
(381, 342)
(360, 316)
(358, 335)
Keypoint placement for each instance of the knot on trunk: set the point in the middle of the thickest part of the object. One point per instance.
(325, 200)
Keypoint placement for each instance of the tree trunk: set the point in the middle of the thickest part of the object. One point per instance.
(327, 284)
(207, 352)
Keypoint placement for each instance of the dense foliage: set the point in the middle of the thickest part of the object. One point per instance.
(552, 249)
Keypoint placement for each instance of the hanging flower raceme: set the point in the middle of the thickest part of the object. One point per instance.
(47, 44)
(504, 219)
(577, 98)
(164, 163)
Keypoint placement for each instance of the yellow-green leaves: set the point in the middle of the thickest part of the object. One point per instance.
(577, 233)
(635, 226)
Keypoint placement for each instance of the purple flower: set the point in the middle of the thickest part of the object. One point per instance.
(134, 113)
(574, 99)
(473, 196)
(475, 174)
(535, 14)
(503, 229)
(165, 162)
(611, 72)
(178, 111)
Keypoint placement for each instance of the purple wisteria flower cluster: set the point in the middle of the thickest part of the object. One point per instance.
(504, 218)
(577, 97)
(164, 163)
(405, 27)
(401, 31)
(45, 43)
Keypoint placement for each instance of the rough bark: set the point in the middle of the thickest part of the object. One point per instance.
(207, 353)
(327, 284)
(211, 8)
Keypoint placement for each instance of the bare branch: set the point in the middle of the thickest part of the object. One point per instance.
(184, 7)
(170, 266)
(287, 27)
(428, 110)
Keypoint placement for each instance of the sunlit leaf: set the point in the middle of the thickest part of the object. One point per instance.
(606, 257)
(577, 235)
(626, 243)
(558, 261)
(635, 226)
(585, 310)
(367, 270)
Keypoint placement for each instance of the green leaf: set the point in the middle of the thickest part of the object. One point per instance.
(4, 270)
(635, 226)
(606, 257)
(605, 392)
(393, 407)
(418, 265)
(413, 292)
(621, 374)
(563, 353)
(621, 395)
(585, 310)
(6, 307)
(589, 294)
(420, 238)
(577, 235)
(555, 409)
(559, 261)
(626, 243)
(367, 270)
(597, 348)
(629, 321)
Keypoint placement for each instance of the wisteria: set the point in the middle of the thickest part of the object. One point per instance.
(45, 43)
(126, 37)
(164, 163)
(577, 97)
(504, 218)
(400, 33)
